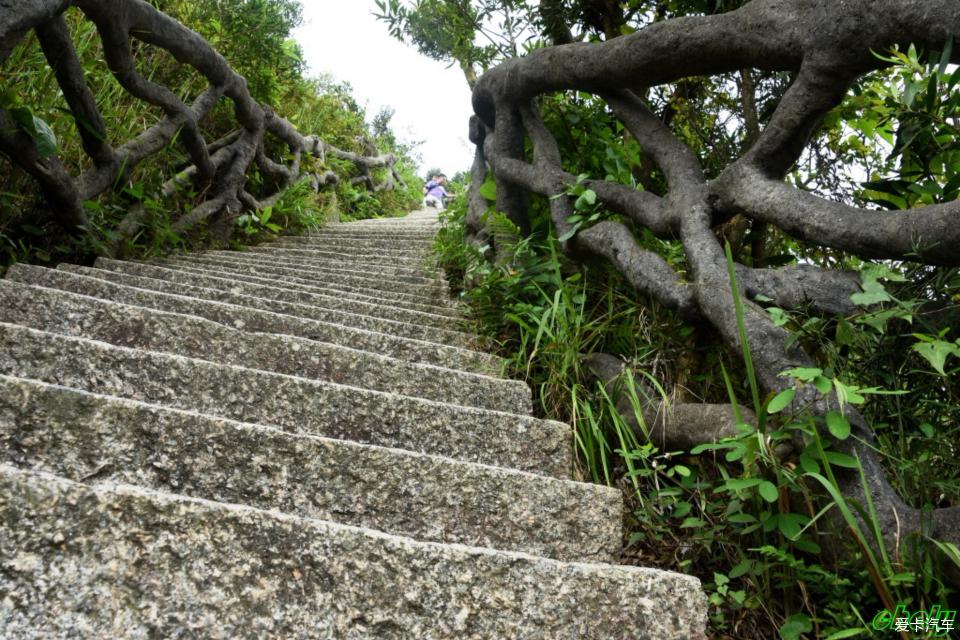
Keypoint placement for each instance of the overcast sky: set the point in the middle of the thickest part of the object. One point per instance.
(432, 102)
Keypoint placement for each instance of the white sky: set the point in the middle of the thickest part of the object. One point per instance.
(432, 102)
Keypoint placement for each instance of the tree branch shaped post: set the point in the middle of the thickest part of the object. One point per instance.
(220, 168)
(827, 45)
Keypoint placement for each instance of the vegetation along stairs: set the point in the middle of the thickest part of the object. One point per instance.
(297, 440)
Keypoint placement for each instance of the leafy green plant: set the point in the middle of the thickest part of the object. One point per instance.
(759, 517)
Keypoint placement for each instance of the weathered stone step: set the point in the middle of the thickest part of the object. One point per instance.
(254, 320)
(290, 302)
(289, 403)
(377, 322)
(81, 316)
(403, 233)
(384, 223)
(81, 436)
(427, 289)
(369, 242)
(309, 286)
(373, 259)
(150, 564)
(380, 245)
(326, 268)
(341, 300)
(316, 274)
(298, 256)
(398, 258)
(305, 284)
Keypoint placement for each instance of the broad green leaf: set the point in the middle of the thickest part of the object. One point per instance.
(781, 401)
(692, 523)
(587, 199)
(569, 234)
(808, 464)
(736, 452)
(778, 316)
(841, 460)
(879, 319)
(847, 394)
(807, 546)
(24, 117)
(822, 384)
(806, 374)
(738, 484)
(710, 446)
(742, 518)
(768, 491)
(45, 138)
(488, 190)
(795, 626)
(791, 524)
(873, 293)
(936, 353)
(873, 272)
(741, 568)
(838, 425)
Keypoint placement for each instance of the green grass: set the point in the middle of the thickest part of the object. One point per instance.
(780, 551)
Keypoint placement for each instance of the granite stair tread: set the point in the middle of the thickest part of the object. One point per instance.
(299, 439)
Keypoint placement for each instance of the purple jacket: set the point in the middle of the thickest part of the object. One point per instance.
(435, 190)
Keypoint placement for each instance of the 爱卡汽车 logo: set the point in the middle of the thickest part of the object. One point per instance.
(937, 620)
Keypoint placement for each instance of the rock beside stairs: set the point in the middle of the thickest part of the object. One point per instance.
(296, 441)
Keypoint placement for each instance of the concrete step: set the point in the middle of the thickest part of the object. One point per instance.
(316, 307)
(257, 321)
(370, 242)
(346, 231)
(363, 243)
(353, 245)
(426, 228)
(430, 291)
(305, 284)
(379, 322)
(341, 300)
(113, 559)
(365, 258)
(320, 268)
(65, 313)
(407, 224)
(298, 256)
(289, 403)
(87, 437)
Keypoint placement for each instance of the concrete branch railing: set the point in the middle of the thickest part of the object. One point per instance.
(828, 45)
(219, 169)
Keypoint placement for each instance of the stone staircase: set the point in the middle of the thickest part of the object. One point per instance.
(294, 441)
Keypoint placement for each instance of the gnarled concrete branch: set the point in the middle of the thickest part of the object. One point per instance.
(219, 168)
(828, 45)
